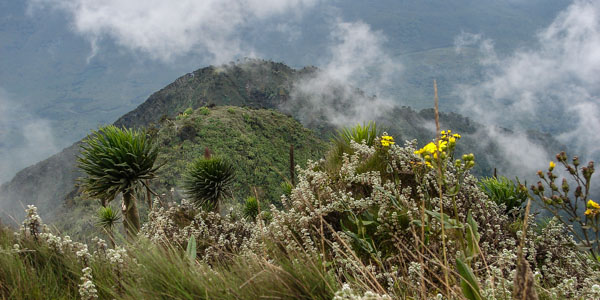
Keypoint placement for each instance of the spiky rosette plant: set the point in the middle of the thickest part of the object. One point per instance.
(107, 219)
(251, 208)
(117, 161)
(503, 191)
(341, 142)
(359, 133)
(207, 182)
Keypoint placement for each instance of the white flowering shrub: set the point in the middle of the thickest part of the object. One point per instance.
(364, 219)
(217, 235)
(87, 288)
(346, 293)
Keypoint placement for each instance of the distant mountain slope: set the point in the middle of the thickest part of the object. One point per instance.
(254, 83)
(45, 185)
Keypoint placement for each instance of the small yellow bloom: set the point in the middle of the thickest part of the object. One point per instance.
(588, 212)
(456, 136)
(552, 165)
(592, 204)
(387, 140)
(442, 145)
(430, 148)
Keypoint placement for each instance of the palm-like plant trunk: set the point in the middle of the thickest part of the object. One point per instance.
(148, 196)
(131, 215)
(111, 236)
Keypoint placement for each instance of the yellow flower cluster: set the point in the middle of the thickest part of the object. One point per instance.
(552, 166)
(387, 140)
(593, 208)
(432, 148)
(443, 147)
(446, 135)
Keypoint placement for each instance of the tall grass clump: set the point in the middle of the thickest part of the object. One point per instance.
(169, 275)
(504, 191)
(341, 142)
(55, 267)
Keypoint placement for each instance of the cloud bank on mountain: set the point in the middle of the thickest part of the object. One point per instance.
(552, 86)
(356, 58)
(25, 138)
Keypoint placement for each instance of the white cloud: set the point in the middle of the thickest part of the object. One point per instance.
(25, 139)
(168, 29)
(553, 86)
(356, 58)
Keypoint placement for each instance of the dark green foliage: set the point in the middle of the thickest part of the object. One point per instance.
(108, 218)
(503, 191)
(208, 181)
(255, 83)
(468, 281)
(251, 208)
(115, 160)
(286, 187)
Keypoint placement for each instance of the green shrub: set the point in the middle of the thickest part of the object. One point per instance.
(503, 191)
(251, 208)
(205, 111)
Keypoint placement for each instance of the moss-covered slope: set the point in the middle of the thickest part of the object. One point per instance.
(257, 142)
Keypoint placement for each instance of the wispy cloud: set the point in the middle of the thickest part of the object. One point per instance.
(356, 58)
(166, 30)
(25, 139)
(552, 86)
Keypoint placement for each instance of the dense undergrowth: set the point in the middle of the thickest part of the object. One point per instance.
(374, 220)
